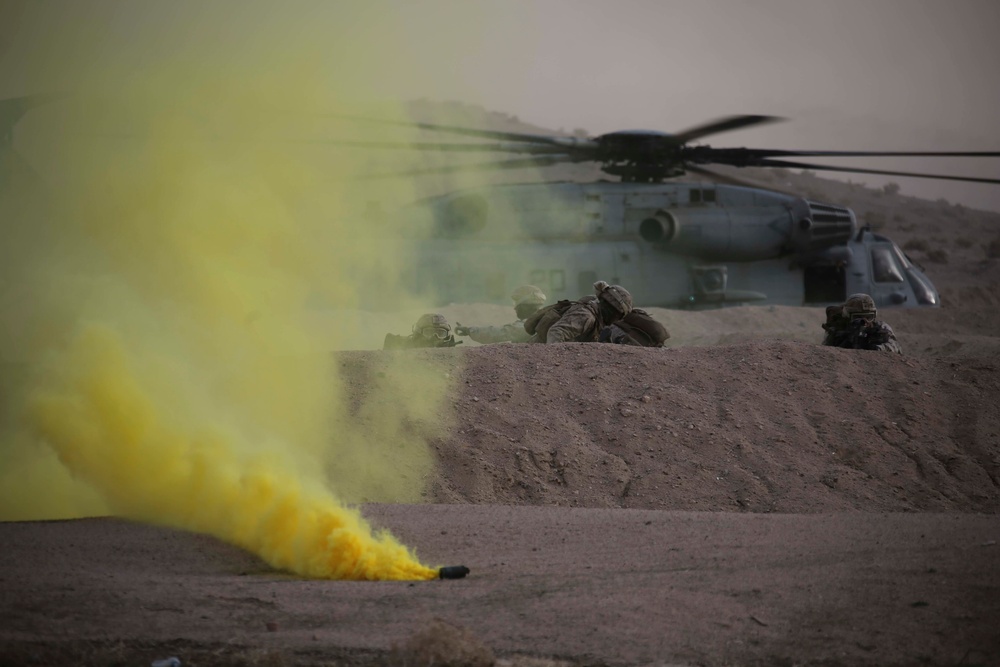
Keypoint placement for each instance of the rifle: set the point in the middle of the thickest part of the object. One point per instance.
(865, 334)
(397, 342)
(857, 333)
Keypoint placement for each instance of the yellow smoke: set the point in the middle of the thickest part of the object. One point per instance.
(189, 268)
(98, 416)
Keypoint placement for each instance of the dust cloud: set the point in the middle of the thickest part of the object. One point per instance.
(179, 277)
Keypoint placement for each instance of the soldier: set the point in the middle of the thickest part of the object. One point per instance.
(854, 325)
(581, 321)
(636, 328)
(527, 300)
(431, 330)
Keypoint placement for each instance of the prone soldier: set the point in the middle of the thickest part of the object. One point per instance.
(431, 330)
(580, 321)
(854, 325)
(527, 300)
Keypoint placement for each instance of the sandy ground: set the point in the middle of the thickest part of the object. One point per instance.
(585, 586)
(740, 497)
(760, 502)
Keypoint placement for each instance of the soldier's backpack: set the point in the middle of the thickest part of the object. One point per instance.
(642, 329)
(541, 320)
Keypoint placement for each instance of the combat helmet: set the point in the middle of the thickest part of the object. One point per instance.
(615, 296)
(528, 294)
(860, 306)
(432, 326)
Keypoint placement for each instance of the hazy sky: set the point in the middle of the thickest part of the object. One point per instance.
(890, 74)
(885, 74)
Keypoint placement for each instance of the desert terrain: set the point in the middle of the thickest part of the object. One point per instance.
(742, 496)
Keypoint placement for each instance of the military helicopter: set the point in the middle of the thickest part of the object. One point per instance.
(672, 244)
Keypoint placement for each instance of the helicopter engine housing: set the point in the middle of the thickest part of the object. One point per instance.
(819, 226)
(661, 227)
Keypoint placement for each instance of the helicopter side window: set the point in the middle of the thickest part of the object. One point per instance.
(554, 279)
(884, 270)
(465, 215)
(697, 196)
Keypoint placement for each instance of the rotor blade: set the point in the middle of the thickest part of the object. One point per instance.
(778, 153)
(749, 157)
(741, 182)
(520, 163)
(446, 147)
(466, 131)
(716, 177)
(822, 167)
(723, 125)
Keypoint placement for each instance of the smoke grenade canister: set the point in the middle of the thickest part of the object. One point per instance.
(453, 572)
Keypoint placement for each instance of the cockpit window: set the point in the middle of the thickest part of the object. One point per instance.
(901, 256)
(884, 269)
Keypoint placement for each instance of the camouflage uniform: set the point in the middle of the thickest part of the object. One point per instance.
(527, 299)
(637, 328)
(508, 333)
(585, 319)
(431, 330)
(854, 326)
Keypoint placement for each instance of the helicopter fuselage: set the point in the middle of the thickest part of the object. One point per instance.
(676, 245)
